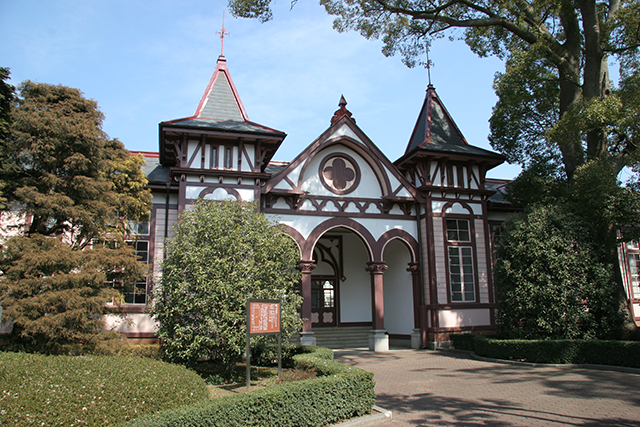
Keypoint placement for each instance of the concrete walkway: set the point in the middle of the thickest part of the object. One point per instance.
(448, 388)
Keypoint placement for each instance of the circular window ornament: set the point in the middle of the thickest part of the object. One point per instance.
(339, 173)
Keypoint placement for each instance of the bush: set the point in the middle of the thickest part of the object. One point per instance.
(551, 281)
(90, 390)
(223, 253)
(462, 341)
(263, 354)
(341, 392)
(599, 352)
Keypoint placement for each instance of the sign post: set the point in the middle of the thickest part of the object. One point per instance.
(263, 318)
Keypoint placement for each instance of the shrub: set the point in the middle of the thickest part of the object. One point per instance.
(90, 390)
(600, 352)
(551, 281)
(462, 341)
(223, 253)
(340, 393)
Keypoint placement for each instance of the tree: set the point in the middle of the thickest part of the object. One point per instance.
(556, 103)
(557, 274)
(78, 191)
(7, 94)
(223, 253)
(551, 282)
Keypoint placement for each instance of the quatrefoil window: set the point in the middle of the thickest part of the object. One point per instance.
(339, 173)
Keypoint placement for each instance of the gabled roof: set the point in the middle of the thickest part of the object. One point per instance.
(344, 131)
(436, 132)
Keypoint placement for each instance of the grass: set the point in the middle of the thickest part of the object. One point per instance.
(38, 390)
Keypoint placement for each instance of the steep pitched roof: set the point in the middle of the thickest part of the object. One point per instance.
(220, 100)
(219, 112)
(434, 125)
(220, 108)
(436, 132)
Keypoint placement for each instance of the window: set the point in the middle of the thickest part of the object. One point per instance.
(460, 257)
(139, 228)
(214, 157)
(496, 232)
(461, 273)
(228, 157)
(634, 270)
(322, 294)
(139, 292)
(458, 230)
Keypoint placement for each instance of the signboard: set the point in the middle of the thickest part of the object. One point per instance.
(264, 317)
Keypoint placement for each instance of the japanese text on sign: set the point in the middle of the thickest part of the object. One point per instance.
(264, 317)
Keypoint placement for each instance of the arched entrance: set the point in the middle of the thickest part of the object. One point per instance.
(340, 286)
(399, 320)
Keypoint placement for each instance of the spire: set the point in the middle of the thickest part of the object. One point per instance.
(220, 100)
(434, 125)
(342, 111)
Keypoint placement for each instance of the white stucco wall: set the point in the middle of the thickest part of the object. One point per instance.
(398, 290)
(355, 291)
(135, 322)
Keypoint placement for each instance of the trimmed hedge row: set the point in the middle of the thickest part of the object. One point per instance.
(340, 393)
(90, 390)
(597, 352)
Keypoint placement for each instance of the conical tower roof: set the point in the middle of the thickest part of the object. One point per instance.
(436, 132)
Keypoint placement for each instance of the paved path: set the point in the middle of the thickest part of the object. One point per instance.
(447, 388)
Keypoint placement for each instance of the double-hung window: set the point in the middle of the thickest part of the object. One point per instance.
(634, 269)
(139, 293)
(460, 257)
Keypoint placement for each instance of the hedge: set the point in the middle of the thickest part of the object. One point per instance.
(340, 392)
(597, 352)
(90, 390)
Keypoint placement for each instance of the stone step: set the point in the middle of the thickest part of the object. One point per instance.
(341, 337)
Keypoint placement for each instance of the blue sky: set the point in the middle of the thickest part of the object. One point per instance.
(149, 61)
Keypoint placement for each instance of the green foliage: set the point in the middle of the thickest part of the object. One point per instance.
(79, 190)
(7, 94)
(462, 341)
(343, 393)
(64, 171)
(556, 56)
(56, 295)
(222, 254)
(551, 281)
(90, 390)
(599, 352)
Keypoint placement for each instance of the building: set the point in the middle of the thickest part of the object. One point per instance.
(401, 250)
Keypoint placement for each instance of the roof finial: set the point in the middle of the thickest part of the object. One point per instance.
(342, 111)
(429, 63)
(222, 34)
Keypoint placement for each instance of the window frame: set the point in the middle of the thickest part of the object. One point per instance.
(469, 244)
